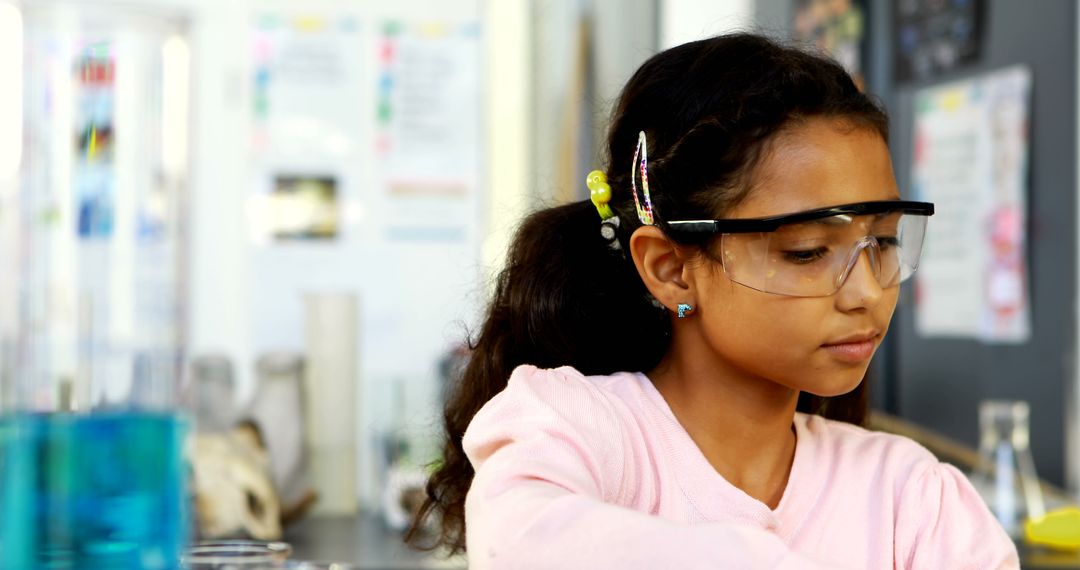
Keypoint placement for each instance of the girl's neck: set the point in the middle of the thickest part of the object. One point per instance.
(742, 423)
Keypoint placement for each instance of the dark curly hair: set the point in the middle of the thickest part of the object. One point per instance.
(709, 109)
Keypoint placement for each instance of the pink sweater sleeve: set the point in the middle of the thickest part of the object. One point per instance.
(551, 457)
(942, 522)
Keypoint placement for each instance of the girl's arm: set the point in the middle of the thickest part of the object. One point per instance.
(551, 457)
(943, 523)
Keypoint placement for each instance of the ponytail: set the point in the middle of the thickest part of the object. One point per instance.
(564, 299)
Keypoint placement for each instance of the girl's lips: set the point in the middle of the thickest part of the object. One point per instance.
(852, 351)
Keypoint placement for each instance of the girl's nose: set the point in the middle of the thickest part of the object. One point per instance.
(860, 284)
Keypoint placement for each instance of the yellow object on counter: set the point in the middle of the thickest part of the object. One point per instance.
(1057, 529)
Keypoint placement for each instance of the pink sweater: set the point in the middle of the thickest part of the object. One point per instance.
(596, 473)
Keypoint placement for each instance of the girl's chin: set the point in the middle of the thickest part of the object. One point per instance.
(833, 389)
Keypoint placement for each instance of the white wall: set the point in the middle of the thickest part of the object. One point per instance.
(219, 276)
(683, 21)
(508, 85)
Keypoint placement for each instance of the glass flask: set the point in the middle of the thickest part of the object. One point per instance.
(1006, 473)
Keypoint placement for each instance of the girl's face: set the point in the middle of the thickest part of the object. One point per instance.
(820, 345)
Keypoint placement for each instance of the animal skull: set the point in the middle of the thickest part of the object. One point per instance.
(234, 491)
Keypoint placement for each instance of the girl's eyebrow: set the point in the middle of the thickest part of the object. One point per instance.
(837, 220)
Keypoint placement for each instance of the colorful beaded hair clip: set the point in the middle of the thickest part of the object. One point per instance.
(600, 194)
(643, 205)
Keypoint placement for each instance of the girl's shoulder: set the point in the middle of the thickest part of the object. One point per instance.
(596, 411)
(568, 378)
(938, 518)
(567, 419)
(855, 447)
(570, 394)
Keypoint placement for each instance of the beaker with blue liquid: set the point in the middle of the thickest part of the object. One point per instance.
(92, 471)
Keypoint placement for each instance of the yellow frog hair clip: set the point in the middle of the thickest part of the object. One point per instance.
(600, 194)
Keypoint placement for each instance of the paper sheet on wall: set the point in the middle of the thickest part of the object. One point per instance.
(428, 143)
(306, 80)
(306, 125)
(428, 133)
(971, 160)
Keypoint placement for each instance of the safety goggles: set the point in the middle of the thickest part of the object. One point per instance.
(811, 253)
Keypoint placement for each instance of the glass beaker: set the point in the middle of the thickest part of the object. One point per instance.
(1006, 472)
(91, 330)
(302, 565)
(236, 554)
(296, 565)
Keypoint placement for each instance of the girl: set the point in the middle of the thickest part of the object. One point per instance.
(686, 354)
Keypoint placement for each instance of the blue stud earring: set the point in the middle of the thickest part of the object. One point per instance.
(684, 309)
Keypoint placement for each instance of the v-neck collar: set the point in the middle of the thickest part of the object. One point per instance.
(715, 498)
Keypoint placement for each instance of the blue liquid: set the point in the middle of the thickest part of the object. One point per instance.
(92, 492)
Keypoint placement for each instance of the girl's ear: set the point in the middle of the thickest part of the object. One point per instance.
(661, 266)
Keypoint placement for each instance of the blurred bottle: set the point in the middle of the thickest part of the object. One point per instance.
(331, 381)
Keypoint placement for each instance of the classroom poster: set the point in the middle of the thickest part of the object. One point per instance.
(428, 107)
(428, 144)
(307, 124)
(971, 148)
(306, 77)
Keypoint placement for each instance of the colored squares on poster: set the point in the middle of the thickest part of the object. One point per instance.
(433, 30)
(312, 24)
(384, 105)
(386, 111)
(392, 28)
(268, 22)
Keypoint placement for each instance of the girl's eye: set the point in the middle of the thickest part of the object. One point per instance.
(806, 256)
(887, 242)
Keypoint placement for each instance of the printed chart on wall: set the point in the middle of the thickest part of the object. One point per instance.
(427, 138)
(971, 160)
(304, 81)
(305, 124)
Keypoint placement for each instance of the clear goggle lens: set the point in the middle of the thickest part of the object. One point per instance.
(814, 258)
